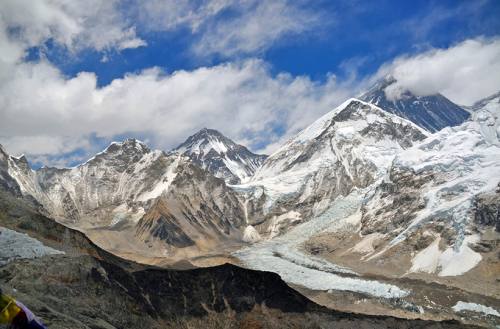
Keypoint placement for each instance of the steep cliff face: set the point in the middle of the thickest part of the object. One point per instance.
(7, 183)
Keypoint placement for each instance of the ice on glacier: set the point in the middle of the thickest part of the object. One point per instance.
(15, 245)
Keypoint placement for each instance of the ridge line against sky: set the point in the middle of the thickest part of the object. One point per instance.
(76, 75)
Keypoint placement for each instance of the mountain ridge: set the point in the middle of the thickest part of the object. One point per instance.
(433, 112)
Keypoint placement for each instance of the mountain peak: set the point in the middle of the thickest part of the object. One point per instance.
(209, 131)
(205, 141)
(128, 145)
(128, 150)
(211, 150)
(359, 114)
(433, 112)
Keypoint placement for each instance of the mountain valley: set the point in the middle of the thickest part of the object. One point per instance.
(367, 210)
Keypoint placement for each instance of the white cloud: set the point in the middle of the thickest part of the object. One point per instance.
(465, 73)
(247, 26)
(243, 100)
(43, 145)
(161, 15)
(45, 114)
(258, 27)
(97, 24)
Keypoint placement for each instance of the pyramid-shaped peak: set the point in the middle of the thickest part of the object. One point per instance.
(209, 132)
(432, 112)
(129, 144)
(206, 139)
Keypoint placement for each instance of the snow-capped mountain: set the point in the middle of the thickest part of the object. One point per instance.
(7, 183)
(433, 112)
(222, 157)
(142, 194)
(487, 113)
(437, 209)
(350, 147)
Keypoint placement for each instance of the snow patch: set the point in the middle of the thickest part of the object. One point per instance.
(163, 185)
(427, 260)
(457, 262)
(124, 213)
(473, 307)
(365, 246)
(251, 234)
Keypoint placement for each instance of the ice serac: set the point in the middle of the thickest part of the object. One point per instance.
(487, 113)
(432, 112)
(131, 198)
(442, 198)
(350, 147)
(222, 157)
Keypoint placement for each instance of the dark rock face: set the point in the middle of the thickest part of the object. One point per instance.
(221, 287)
(7, 183)
(84, 292)
(429, 112)
(220, 156)
(486, 209)
(398, 200)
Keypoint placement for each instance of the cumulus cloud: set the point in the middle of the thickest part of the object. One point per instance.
(38, 103)
(465, 73)
(49, 116)
(75, 25)
(247, 26)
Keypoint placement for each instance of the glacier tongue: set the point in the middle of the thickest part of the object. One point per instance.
(282, 256)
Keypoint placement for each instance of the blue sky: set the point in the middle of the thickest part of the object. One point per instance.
(88, 73)
(365, 34)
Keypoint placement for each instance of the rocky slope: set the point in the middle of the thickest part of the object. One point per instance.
(222, 157)
(131, 199)
(432, 113)
(347, 149)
